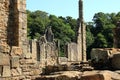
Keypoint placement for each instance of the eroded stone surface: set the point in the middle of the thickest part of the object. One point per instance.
(16, 51)
(116, 61)
(4, 59)
(15, 61)
(6, 71)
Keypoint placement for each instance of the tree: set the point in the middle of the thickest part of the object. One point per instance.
(37, 22)
(103, 25)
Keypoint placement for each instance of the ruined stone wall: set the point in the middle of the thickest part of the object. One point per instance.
(15, 62)
(43, 51)
(77, 51)
(21, 59)
(48, 54)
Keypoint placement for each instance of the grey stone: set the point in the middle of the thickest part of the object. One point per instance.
(33, 49)
(72, 52)
(99, 54)
(49, 34)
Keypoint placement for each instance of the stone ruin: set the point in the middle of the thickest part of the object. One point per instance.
(45, 49)
(23, 59)
(20, 58)
(76, 51)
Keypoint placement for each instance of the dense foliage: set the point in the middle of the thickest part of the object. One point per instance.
(99, 32)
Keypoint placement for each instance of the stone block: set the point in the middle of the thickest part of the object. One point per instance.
(15, 61)
(116, 61)
(30, 61)
(4, 59)
(36, 72)
(63, 60)
(110, 74)
(99, 54)
(4, 48)
(33, 48)
(92, 77)
(28, 55)
(6, 71)
(16, 50)
(72, 52)
(7, 78)
(15, 78)
(26, 73)
(16, 72)
(19, 70)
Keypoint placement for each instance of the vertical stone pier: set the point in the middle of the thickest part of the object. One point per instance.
(76, 51)
(21, 24)
(81, 41)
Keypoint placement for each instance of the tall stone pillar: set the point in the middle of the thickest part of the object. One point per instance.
(22, 24)
(81, 33)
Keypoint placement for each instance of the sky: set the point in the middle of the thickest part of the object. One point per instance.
(70, 7)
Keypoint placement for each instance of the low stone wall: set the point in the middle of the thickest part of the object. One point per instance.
(19, 66)
(15, 65)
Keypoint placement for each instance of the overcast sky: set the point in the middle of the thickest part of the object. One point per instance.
(70, 7)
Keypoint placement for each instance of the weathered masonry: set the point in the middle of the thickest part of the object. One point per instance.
(76, 51)
(23, 59)
(13, 24)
